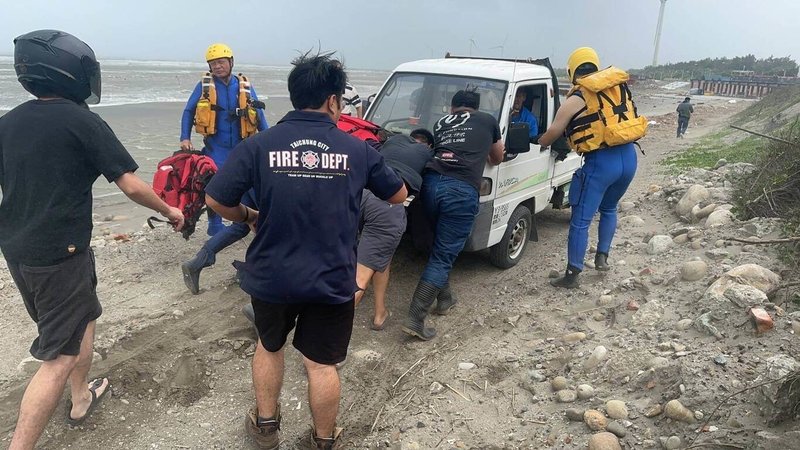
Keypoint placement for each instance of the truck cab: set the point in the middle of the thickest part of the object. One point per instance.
(418, 94)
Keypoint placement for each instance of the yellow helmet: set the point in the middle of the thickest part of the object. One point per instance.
(218, 50)
(580, 56)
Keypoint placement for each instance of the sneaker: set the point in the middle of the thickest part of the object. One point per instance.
(265, 436)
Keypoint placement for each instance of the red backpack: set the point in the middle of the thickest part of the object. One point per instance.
(360, 128)
(180, 181)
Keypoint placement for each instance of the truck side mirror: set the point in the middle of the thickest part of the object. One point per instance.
(367, 101)
(517, 140)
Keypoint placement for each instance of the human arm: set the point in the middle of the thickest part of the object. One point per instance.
(262, 117)
(496, 153)
(225, 191)
(140, 192)
(239, 213)
(187, 119)
(400, 196)
(571, 106)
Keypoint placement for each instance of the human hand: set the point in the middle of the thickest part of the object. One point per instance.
(186, 145)
(175, 218)
(252, 219)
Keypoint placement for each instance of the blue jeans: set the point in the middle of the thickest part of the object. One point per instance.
(598, 186)
(226, 236)
(451, 205)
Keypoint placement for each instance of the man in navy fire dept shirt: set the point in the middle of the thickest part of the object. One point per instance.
(300, 269)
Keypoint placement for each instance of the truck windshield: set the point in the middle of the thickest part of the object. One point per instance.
(413, 100)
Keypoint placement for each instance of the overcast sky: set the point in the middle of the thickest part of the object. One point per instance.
(379, 34)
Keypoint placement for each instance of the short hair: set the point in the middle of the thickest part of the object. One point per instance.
(426, 135)
(315, 78)
(686, 99)
(466, 98)
(584, 69)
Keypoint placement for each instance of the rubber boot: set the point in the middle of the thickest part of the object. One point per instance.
(424, 296)
(601, 262)
(191, 269)
(569, 280)
(445, 301)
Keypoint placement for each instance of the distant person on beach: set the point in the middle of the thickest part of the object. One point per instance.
(224, 115)
(607, 170)
(465, 140)
(52, 150)
(685, 111)
(308, 177)
(383, 223)
(352, 105)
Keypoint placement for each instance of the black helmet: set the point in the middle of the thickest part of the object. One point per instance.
(55, 62)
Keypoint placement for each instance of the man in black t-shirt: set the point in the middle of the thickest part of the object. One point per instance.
(51, 152)
(300, 270)
(464, 141)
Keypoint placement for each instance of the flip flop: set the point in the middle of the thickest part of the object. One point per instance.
(383, 325)
(93, 387)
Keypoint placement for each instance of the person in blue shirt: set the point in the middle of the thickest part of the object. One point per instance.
(231, 125)
(521, 114)
(300, 269)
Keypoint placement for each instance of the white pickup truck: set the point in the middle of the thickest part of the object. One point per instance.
(418, 93)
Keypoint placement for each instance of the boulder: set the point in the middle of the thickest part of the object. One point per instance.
(745, 296)
(659, 244)
(753, 275)
(693, 270)
(693, 196)
(719, 218)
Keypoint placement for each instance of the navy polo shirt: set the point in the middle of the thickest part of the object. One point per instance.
(307, 176)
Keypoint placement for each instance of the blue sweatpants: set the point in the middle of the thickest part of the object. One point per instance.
(598, 186)
(227, 235)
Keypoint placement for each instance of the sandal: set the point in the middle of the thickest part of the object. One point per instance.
(93, 387)
(380, 327)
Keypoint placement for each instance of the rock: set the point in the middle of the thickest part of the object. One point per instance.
(595, 420)
(753, 275)
(720, 360)
(672, 443)
(605, 300)
(703, 324)
(178, 313)
(28, 366)
(745, 296)
(717, 254)
(554, 273)
(466, 366)
(659, 244)
(719, 243)
(648, 315)
(367, 355)
(617, 428)
(599, 354)
(700, 213)
(566, 396)
(625, 206)
(604, 441)
(719, 218)
(630, 222)
(694, 234)
(680, 239)
(616, 409)
(767, 440)
(683, 324)
(676, 411)
(558, 383)
(693, 270)
(657, 362)
(698, 415)
(585, 391)
(720, 163)
(436, 388)
(693, 196)
(205, 425)
(653, 411)
(761, 320)
(536, 376)
(632, 305)
(574, 414)
(573, 337)
(696, 245)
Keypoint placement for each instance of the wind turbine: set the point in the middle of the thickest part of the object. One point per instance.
(472, 44)
(502, 46)
(658, 31)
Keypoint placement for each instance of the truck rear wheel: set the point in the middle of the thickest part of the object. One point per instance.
(508, 252)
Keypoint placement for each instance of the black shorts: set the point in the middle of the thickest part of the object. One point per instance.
(323, 330)
(384, 225)
(62, 300)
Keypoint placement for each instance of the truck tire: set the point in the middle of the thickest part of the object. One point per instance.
(508, 252)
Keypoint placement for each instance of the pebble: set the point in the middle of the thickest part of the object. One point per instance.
(683, 324)
(566, 396)
(720, 360)
(598, 316)
(536, 375)
(696, 245)
(694, 234)
(616, 409)
(680, 239)
(585, 391)
(205, 425)
(719, 243)
(698, 415)
(574, 337)
(558, 383)
(657, 362)
(466, 366)
(653, 411)
(125, 402)
(598, 355)
(554, 273)
(616, 428)
(575, 414)
(676, 411)
(178, 313)
(693, 270)
(436, 388)
(659, 244)
(595, 420)
(673, 443)
(604, 441)
(605, 300)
